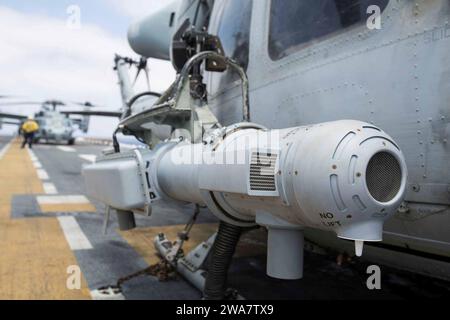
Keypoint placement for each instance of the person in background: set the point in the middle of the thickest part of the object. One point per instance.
(29, 128)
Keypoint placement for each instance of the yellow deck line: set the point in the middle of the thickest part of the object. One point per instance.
(17, 176)
(141, 239)
(69, 207)
(35, 254)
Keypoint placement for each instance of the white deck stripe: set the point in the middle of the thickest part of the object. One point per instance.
(76, 199)
(88, 157)
(66, 149)
(75, 237)
(96, 295)
(50, 188)
(32, 155)
(42, 174)
(5, 148)
(37, 164)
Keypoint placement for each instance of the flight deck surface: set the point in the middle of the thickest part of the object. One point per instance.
(47, 225)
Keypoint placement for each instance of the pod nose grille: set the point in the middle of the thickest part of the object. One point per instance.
(383, 176)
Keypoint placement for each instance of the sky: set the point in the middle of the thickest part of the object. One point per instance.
(46, 54)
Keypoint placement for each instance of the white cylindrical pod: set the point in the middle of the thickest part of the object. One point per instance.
(345, 176)
(177, 173)
(351, 178)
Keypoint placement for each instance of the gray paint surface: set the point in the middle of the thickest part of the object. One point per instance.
(397, 78)
(112, 257)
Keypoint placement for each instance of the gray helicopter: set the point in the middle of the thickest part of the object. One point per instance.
(131, 102)
(54, 124)
(339, 110)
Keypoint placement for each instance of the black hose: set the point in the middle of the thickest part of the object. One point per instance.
(220, 261)
(116, 144)
(143, 94)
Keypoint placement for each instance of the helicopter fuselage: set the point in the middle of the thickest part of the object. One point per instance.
(54, 126)
(396, 77)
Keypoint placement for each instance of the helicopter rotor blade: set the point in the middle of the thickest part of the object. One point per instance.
(4, 104)
(53, 103)
(87, 104)
(147, 78)
(14, 96)
(102, 113)
(137, 75)
(12, 116)
(142, 65)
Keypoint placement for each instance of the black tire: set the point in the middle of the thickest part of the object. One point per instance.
(71, 142)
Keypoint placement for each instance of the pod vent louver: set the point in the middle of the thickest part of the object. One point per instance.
(262, 171)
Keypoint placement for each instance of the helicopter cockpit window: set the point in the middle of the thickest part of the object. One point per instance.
(294, 24)
(234, 30)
